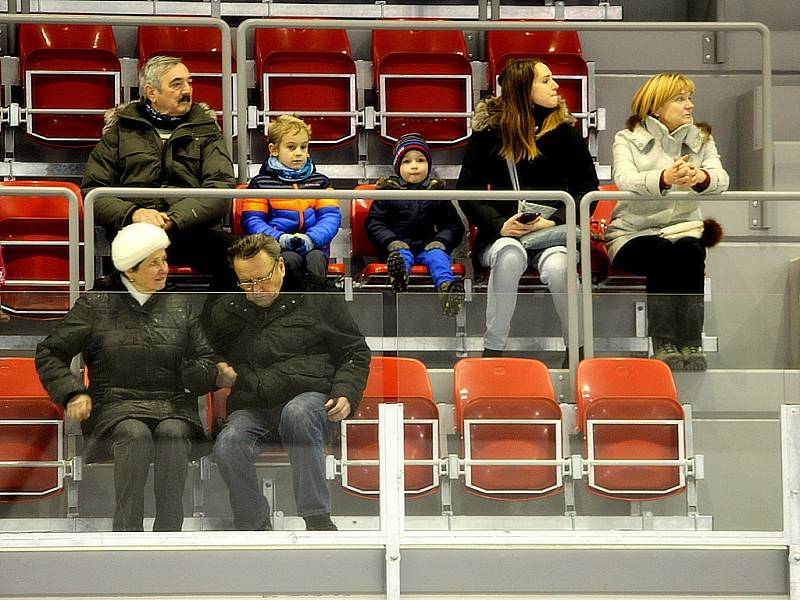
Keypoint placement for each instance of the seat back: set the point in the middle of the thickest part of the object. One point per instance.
(31, 429)
(410, 65)
(304, 71)
(68, 67)
(506, 410)
(200, 49)
(359, 208)
(560, 50)
(402, 380)
(29, 226)
(628, 410)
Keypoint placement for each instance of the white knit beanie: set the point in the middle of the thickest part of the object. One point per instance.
(135, 242)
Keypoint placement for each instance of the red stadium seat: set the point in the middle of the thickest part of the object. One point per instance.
(375, 273)
(35, 240)
(305, 71)
(506, 411)
(602, 270)
(628, 411)
(71, 76)
(560, 50)
(423, 71)
(31, 429)
(200, 49)
(391, 379)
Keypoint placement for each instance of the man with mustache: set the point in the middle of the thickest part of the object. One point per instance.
(163, 140)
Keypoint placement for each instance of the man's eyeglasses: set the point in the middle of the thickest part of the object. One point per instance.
(249, 286)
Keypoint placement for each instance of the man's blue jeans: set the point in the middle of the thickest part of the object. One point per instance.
(302, 425)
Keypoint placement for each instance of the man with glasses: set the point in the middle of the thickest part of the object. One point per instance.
(301, 365)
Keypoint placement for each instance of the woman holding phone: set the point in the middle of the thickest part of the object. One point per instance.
(523, 139)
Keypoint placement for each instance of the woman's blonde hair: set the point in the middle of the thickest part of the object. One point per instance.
(286, 125)
(654, 92)
(517, 123)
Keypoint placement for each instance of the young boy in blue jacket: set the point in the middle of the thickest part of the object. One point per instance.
(414, 231)
(303, 228)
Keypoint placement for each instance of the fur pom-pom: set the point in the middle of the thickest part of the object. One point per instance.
(712, 233)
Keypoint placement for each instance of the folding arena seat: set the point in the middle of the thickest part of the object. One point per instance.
(560, 50)
(603, 272)
(35, 239)
(375, 273)
(418, 72)
(307, 72)
(200, 48)
(634, 427)
(393, 379)
(71, 76)
(507, 415)
(31, 430)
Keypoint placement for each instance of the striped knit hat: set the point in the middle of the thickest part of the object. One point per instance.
(406, 143)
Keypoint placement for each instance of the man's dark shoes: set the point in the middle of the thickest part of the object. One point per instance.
(398, 274)
(320, 523)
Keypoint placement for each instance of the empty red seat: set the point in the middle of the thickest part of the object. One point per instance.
(402, 380)
(628, 411)
(602, 269)
(560, 50)
(35, 239)
(506, 411)
(70, 75)
(423, 71)
(305, 71)
(200, 49)
(31, 429)
(376, 273)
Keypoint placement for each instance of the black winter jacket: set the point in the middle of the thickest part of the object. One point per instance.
(306, 341)
(564, 164)
(131, 154)
(141, 360)
(413, 221)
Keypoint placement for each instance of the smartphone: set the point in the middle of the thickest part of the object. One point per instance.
(528, 217)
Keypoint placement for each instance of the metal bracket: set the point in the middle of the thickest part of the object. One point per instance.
(756, 214)
(714, 47)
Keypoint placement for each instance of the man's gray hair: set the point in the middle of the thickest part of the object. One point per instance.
(154, 69)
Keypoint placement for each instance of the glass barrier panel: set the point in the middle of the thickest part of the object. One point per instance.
(507, 429)
(154, 373)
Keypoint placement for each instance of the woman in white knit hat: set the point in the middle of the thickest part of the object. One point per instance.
(147, 361)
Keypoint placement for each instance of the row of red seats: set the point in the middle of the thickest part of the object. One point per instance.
(302, 71)
(31, 225)
(506, 414)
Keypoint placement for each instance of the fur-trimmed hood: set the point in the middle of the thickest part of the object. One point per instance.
(487, 114)
(112, 115)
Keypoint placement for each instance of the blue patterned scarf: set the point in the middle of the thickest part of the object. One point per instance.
(290, 175)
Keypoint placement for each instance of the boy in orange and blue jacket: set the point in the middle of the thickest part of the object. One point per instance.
(303, 228)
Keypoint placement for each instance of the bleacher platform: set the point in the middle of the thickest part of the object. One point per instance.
(458, 474)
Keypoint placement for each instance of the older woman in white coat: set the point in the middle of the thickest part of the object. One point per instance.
(663, 149)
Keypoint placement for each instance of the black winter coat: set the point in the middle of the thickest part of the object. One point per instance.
(564, 164)
(141, 360)
(415, 222)
(306, 341)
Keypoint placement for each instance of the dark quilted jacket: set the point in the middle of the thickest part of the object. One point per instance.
(141, 359)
